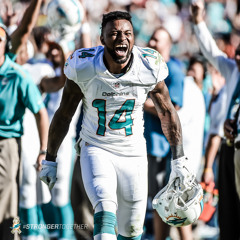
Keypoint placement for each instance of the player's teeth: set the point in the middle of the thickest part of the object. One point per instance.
(121, 46)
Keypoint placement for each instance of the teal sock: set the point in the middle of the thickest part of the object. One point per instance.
(66, 218)
(104, 222)
(120, 237)
(29, 221)
(50, 216)
(43, 231)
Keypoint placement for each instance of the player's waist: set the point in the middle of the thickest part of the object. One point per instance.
(131, 147)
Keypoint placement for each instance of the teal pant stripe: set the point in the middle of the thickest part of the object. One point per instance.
(104, 222)
(120, 237)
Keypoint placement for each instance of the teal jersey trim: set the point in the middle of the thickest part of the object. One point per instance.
(104, 222)
(120, 237)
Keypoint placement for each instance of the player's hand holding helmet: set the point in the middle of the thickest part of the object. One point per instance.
(48, 173)
(180, 170)
(180, 202)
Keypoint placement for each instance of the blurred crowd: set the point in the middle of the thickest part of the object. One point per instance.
(222, 18)
(169, 26)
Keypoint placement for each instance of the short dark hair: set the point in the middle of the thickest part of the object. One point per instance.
(198, 58)
(115, 15)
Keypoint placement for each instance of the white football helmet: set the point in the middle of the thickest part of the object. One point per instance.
(179, 205)
(64, 12)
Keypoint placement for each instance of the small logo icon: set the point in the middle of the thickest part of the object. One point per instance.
(16, 226)
(116, 84)
(175, 220)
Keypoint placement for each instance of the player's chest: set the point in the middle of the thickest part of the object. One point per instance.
(117, 89)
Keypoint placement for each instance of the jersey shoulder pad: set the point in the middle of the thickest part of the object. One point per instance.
(80, 66)
(153, 61)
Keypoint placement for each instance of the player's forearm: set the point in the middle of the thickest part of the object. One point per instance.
(59, 126)
(57, 132)
(168, 116)
(173, 132)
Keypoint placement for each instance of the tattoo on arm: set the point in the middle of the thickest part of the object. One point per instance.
(172, 130)
(170, 122)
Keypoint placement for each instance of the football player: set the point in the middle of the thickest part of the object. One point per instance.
(113, 82)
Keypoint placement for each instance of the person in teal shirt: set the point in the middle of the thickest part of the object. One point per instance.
(17, 92)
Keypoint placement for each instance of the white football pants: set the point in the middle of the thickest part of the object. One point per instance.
(109, 178)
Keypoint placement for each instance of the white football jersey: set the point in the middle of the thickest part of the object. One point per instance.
(113, 107)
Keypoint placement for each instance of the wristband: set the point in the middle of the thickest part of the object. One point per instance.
(208, 169)
(42, 152)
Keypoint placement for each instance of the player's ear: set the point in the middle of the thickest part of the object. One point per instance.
(102, 40)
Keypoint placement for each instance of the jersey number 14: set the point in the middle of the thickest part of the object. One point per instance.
(115, 123)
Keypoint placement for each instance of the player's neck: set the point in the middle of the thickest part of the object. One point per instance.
(117, 68)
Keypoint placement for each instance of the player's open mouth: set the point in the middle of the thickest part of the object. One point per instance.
(121, 50)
